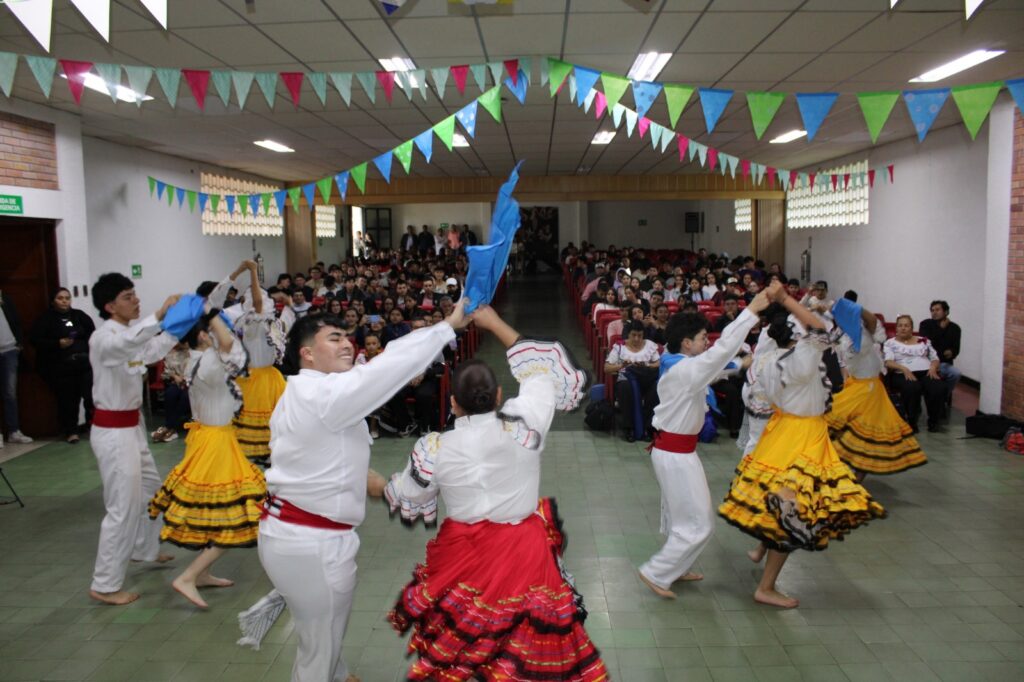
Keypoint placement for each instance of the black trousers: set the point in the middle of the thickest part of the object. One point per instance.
(911, 392)
(626, 397)
(71, 388)
(728, 392)
(177, 408)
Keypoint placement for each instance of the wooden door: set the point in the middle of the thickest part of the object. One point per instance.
(28, 276)
(769, 227)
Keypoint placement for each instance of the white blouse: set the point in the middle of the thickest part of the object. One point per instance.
(710, 292)
(917, 356)
(794, 378)
(622, 353)
(212, 391)
(264, 337)
(867, 363)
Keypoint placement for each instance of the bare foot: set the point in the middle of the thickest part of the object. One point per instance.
(757, 553)
(207, 580)
(189, 591)
(665, 594)
(119, 598)
(775, 598)
(689, 577)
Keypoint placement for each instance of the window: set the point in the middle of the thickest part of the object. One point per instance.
(326, 219)
(267, 223)
(743, 212)
(827, 207)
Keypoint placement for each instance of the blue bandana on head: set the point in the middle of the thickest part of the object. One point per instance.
(846, 313)
(487, 263)
(183, 315)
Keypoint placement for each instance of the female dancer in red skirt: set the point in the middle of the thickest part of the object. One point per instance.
(491, 601)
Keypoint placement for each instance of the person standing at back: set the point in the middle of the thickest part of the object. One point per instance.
(10, 349)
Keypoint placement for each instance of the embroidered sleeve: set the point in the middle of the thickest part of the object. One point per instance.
(529, 358)
(412, 493)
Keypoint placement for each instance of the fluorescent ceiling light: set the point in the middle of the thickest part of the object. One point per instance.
(957, 65)
(603, 137)
(789, 137)
(94, 82)
(400, 64)
(459, 141)
(648, 65)
(273, 146)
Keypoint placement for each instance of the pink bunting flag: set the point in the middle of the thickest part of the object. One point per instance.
(293, 81)
(712, 158)
(197, 82)
(792, 179)
(600, 104)
(459, 73)
(871, 178)
(745, 168)
(835, 181)
(891, 173)
(770, 172)
(846, 181)
(642, 125)
(684, 142)
(75, 71)
(512, 68)
(387, 82)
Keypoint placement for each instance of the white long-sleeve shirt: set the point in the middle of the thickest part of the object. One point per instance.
(682, 389)
(867, 363)
(488, 468)
(318, 436)
(119, 355)
(211, 375)
(794, 378)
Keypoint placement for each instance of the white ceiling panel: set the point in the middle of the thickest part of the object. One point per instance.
(504, 35)
(894, 31)
(437, 36)
(316, 42)
(237, 45)
(815, 32)
(606, 33)
(734, 32)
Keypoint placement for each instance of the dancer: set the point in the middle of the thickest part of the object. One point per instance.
(211, 500)
(867, 431)
(688, 368)
(118, 355)
(793, 491)
(490, 601)
(318, 482)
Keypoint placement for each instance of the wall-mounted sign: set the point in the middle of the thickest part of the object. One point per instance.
(136, 272)
(10, 204)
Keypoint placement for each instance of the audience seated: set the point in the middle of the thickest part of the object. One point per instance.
(944, 335)
(915, 373)
(635, 361)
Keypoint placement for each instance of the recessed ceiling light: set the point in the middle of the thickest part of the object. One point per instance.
(400, 64)
(94, 82)
(459, 141)
(957, 65)
(648, 65)
(273, 146)
(789, 137)
(603, 137)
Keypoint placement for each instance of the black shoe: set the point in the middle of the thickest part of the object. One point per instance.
(734, 434)
(630, 438)
(933, 427)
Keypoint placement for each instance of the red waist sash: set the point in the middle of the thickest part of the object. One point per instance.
(115, 419)
(289, 513)
(683, 443)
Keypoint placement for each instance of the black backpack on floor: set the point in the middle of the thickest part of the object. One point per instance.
(600, 415)
(990, 425)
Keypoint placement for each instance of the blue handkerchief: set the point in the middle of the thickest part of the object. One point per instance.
(183, 315)
(487, 263)
(847, 315)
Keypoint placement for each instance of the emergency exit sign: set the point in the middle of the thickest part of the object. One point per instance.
(136, 272)
(10, 204)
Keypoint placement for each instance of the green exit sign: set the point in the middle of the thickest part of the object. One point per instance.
(10, 204)
(136, 272)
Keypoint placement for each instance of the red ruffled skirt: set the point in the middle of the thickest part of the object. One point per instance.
(491, 602)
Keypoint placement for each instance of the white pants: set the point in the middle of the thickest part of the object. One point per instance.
(130, 480)
(315, 572)
(687, 518)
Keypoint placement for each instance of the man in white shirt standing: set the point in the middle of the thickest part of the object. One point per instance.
(119, 354)
(318, 484)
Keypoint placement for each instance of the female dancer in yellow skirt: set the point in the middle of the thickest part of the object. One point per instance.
(867, 431)
(211, 499)
(793, 491)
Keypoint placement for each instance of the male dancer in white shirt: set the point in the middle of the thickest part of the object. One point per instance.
(687, 515)
(318, 483)
(119, 354)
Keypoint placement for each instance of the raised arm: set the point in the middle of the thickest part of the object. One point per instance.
(122, 345)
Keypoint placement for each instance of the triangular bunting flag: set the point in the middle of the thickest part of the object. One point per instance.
(404, 79)
(369, 82)
(403, 153)
(359, 176)
(814, 107)
(8, 65)
(810, 178)
(293, 194)
(170, 195)
(642, 125)
(655, 135)
(723, 163)
(545, 65)
(279, 199)
(467, 117)
(97, 14)
(759, 170)
(572, 88)
(180, 194)
(693, 149)
(617, 111)
(518, 88)
(491, 101)
(512, 69)
(318, 81)
(203, 198)
(792, 179)
(222, 84)
(846, 181)
(892, 171)
(342, 82)
(497, 68)
(835, 181)
(446, 131)
(876, 107)
(745, 168)
(459, 73)
(525, 65)
(974, 103)
(557, 71)
(341, 180)
(293, 81)
(770, 172)
(763, 107)
(36, 17)
(42, 68)
(152, 184)
(324, 185)
(111, 75)
(158, 8)
(1016, 88)
(254, 203)
(713, 102)
(383, 164)
(170, 80)
(712, 158)
(75, 72)
(871, 177)
(198, 81)
(702, 152)
(440, 77)
(230, 201)
(387, 83)
(425, 143)
(243, 83)
(418, 78)
(684, 142)
(585, 81)
(309, 191)
(676, 97)
(478, 71)
(631, 118)
(614, 87)
(267, 80)
(601, 105)
(243, 204)
(924, 107)
(214, 203)
(666, 137)
(589, 100)
(190, 195)
(644, 94)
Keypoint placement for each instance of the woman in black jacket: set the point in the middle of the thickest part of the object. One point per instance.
(61, 337)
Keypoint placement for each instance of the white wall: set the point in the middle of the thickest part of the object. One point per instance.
(926, 238)
(617, 222)
(127, 226)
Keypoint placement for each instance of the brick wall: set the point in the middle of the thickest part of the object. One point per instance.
(28, 153)
(1013, 351)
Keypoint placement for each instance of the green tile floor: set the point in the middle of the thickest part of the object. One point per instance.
(934, 592)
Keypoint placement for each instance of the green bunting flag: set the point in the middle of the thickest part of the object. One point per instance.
(191, 196)
(876, 107)
(491, 101)
(343, 83)
(359, 176)
(676, 96)
(243, 83)
(222, 84)
(138, 80)
(557, 71)
(111, 75)
(243, 203)
(974, 103)
(479, 75)
(152, 184)
(614, 87)
(265, 200)
(403, 153)
(43, 69)
(324, 185)
(169, 80)
(293, 194)
(214, 202)
(446, 131)
(8, 65)
(763, 106)
(170, 194)
(318, 81)
(268, 84)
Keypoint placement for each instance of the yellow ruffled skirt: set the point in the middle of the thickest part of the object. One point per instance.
(213, 496)
(796, 455)
(260, 393)
(868, 432)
